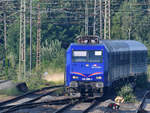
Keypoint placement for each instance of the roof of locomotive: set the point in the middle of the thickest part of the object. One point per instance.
(83, 46)
(116, 45)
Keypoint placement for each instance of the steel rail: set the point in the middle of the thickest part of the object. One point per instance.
(67, 106)
(35, 99)
(31, 105)
(72, 104)
(39, 97)
(94, 103)
(140, 107)
(3, 81)
(27, 94)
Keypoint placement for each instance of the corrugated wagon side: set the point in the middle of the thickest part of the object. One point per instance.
(125, 58)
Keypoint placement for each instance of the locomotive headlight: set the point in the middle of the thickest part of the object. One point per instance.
(99, 84)
(99, 77)
(73, 84)
(75, 77)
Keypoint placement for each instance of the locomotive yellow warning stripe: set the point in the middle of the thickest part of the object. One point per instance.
(79, 74)
(95, 74)
(86, 76)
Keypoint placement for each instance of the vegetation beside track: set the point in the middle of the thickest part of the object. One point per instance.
(52, 62)
(127, 91)
(10, 92)
(36, 81)
(33, 82)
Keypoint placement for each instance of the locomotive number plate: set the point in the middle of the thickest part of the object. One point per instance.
(87, 79)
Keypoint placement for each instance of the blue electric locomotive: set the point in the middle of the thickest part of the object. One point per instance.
(92, 65)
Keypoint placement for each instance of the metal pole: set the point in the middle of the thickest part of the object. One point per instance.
(109, 25)
(22, 47)
(20, 44)
(105, 20)
(38, 37)
(101, 25)
(5, 28)
(86, 18)
(24, 27)
(94, 24)
(30, 37)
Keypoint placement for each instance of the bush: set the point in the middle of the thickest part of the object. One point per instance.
(127, 93)
(35, 81)
(53, 55)
(10, 92)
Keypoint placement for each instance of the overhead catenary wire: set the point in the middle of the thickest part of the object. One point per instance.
(72, 15)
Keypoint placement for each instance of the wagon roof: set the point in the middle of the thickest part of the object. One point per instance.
(124, 45)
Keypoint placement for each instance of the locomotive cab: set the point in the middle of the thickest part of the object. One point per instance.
(85, 67)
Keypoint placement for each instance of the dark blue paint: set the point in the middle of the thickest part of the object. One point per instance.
(81, 67)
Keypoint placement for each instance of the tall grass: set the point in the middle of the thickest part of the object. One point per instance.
(35, 81)
(52, 59)
(53, 55)
(8, 67)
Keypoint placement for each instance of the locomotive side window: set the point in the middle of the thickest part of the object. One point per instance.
(95, 56)
(79, 56)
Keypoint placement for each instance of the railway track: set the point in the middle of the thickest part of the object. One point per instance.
(73, 102)
(91, 103)
(29, 97)
(144, 106)
(3, 81)
(32, 105)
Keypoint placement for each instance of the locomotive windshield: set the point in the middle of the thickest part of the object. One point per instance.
(79, 56)
(87, 56)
